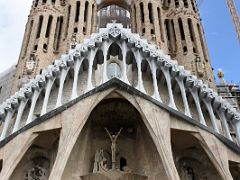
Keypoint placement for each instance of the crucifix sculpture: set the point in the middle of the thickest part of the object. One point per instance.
(113, 138)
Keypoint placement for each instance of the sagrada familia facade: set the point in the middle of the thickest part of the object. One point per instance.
(116, 90)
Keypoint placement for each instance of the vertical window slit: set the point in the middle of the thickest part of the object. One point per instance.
(86, 11)
(40, 21)
(169, 24)
(181, 29)
(28, 38)
(160, 23)
(77, 11)
(68, 20)
(142, 12)
(150, 10)
(49, 25)
(58, 31)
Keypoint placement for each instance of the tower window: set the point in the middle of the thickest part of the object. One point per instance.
(150, 10)
(0, 89)
(75, 30)
(181, 29)
(77, 11)
(176, 3)
(45, 47)
(35, 47)
(68, 20)
(160, 23)
(53, 1)
(86, 11)
(40, 21)
(28, 38)
(142, 12)
(190, 26)
(49, 25)
(185, 2)
(44, 1)
(58, 31)
(36, 3)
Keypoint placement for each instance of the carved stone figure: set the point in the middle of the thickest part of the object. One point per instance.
(36, 173)
(99, 161)
(113, 146)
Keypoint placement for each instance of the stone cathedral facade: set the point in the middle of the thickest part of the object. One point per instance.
(116, 90)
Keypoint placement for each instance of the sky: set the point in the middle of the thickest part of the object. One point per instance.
(222, 42)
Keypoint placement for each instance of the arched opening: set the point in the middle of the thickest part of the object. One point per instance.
(147, 77)
(162, 87)
(177, 96)
(82, 77)
(234, 168)
(52, 101)
(131, 68)
(114, 127)
(113, 14)
(67, 87)
(39, 105)
(190, 158)
(98, 67)
(123, 163)
(39, 158)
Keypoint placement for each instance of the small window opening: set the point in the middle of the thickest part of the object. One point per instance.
(35, 47)
(40, 72)
(0, 89)
(84, 30)
(185, 2)
(45, 46)
(75, 30)
(185, 49)
(143, 31)
(142, 12)
(152, 31)
(77, 11)
(53, 1)
(194, 50)
(36, 3)
(44, 1)
(123, 163)
(176, 3)
(150, 10)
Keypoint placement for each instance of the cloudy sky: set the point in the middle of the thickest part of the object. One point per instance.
(221, 37)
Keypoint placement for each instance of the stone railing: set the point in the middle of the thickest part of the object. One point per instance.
(148, 70)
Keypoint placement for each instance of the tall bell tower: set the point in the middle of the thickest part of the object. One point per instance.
(55, 26)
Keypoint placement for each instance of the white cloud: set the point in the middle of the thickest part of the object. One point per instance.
(13, 17)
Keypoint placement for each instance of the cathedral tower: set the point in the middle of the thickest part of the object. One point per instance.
(54, 26)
